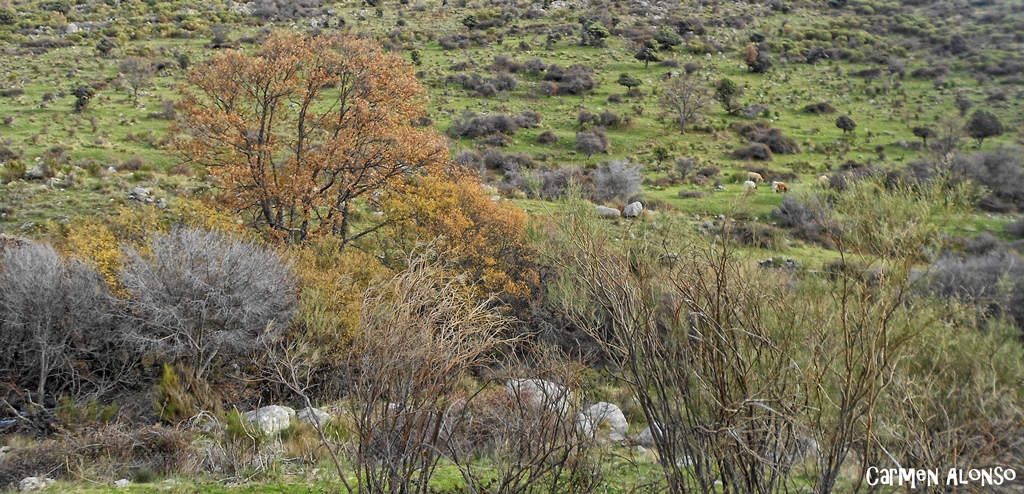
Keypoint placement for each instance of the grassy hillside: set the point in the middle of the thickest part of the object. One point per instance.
(869, 316)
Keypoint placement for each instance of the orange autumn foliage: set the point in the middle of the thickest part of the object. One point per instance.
(456, 216)
(296, 131)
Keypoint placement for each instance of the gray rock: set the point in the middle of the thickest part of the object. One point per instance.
(271, 419)
(37, 172)
(604, 416)
(312, 415)
(122, 483)
(30, 484)
(71, 28)
(633, 210)
(645, 438)
(608, 212)
(539, 393)
(139, 194)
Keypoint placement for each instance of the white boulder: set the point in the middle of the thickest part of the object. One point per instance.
(633, 209)
(30, 484)
(607, 212)
(312, 415)
(604, 416)
(271, 419)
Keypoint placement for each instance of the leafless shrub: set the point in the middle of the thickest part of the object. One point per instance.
(420, 334)
(201, 296)
(616, 180)
(55, 317)
(507, 444)
(712, 417)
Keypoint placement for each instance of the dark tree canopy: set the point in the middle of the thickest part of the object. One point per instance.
(668, 38)
(628, 81)
(648, 53)
(726, 93)
(846, 124)
(924, 133)
(982, 125)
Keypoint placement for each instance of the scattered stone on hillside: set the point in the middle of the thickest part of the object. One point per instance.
(71, 28)
(540, 394)
(122, 483)
(601, 415)
(139, 194)
(495, 198)
(313, 416)
(633, 210)
(37, 172)
(161, 203)
(271, 419)
(608, 212)
(645, 438)
(111, 169)
(31, 484)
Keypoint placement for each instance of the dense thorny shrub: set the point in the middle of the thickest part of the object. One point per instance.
(205, 297)
(616, 180)
(758, 235)
(818, 108)
(802, 219)
(574, 80)
(555, 182)
(1002, 172)
(753, 151)
(591, 143)
(493, 159)
(110, 451)
(547, 137)
(469, 125)
(763, 133)
(993, 281)
(1015, 228)
(489, 86)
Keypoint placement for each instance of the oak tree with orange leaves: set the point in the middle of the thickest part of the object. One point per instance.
(295, 132)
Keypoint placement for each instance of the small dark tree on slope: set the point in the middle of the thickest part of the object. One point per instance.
(924, 133)
(648, 53)
(726, 93)
(846, 124)
(983, 125)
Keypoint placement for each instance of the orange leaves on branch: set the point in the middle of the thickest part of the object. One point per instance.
(297, 131)
(750, 54)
